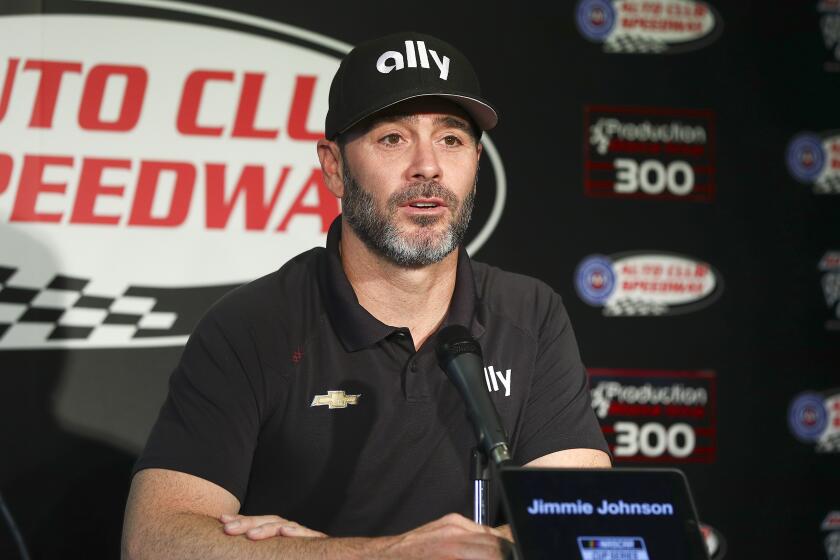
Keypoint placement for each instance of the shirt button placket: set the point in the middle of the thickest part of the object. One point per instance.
(416, 382)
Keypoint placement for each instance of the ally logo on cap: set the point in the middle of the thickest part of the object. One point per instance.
(394, 60)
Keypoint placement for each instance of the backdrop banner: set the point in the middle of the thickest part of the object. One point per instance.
(670, 167)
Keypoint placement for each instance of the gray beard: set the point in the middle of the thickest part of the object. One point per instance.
(380, 233)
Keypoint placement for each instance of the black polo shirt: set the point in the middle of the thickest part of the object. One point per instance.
(255, 404)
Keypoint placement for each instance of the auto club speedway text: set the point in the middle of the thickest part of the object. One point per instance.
(156, 192)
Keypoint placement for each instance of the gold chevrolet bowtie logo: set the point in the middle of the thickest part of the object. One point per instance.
(335, 399)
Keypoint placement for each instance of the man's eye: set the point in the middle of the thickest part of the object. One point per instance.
(391, 139)
(452, 140)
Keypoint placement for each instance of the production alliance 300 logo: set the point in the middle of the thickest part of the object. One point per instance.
(649, 153)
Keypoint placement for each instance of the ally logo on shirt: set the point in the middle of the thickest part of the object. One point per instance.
(494, 378)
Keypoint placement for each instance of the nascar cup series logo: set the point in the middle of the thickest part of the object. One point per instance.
(637, 283)
(829, 11)
(831, 523)
(142, 180)
(830, 267)
(715, 543)
(814, 418)
(645, 26)
(814, 159)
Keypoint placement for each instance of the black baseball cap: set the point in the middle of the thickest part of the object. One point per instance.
(382, 72)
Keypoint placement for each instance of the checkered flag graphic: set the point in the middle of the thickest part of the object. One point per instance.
(830, 184)
(634, 44)
(634, 307)
(63, 312)
(829, 443)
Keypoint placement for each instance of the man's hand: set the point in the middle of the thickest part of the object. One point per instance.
(506, 532)
(451, 536)
(259, 527)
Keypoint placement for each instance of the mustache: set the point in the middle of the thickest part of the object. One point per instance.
(426, 189)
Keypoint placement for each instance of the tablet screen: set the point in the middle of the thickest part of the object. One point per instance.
(602, 514)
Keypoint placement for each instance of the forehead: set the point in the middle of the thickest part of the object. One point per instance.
(410, 111)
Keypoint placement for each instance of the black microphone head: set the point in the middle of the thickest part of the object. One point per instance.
(455, 340)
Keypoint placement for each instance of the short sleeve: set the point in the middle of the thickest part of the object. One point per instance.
(558, 414)
(209, 424)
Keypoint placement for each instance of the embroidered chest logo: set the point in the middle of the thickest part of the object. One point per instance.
(335, 399)
(493, 378)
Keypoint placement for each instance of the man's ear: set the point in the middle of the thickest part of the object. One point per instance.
(331, 166)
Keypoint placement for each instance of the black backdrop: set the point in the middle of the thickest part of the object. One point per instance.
(766, 78)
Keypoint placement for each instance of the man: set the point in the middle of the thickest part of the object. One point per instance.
(311, 399)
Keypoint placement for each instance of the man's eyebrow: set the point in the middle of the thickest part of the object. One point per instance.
(453, 122)
(450, 121)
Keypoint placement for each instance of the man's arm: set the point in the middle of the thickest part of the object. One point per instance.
(265, 527)
(176, 515)
(575, 458)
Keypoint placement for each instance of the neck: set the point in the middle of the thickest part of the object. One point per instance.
(417, 298)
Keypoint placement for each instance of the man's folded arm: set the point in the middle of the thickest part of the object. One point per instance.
(176, 515)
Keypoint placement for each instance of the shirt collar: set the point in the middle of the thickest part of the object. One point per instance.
(355, 327)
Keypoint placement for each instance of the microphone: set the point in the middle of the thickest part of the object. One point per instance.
(459, 356)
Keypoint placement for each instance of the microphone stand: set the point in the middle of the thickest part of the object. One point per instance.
(481, 472)
(480, 475)
(459, 356)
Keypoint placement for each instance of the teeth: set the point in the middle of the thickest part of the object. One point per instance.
(424, 205)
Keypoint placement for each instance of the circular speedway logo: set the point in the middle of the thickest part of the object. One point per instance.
(140, 182)
(595, 279)
(814, 159)
(636, 283)
(645, 26)
(808, 417)
(596, 19)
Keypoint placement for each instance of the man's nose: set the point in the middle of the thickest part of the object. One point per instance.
(424, 164)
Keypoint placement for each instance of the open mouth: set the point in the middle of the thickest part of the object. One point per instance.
(426, 203)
